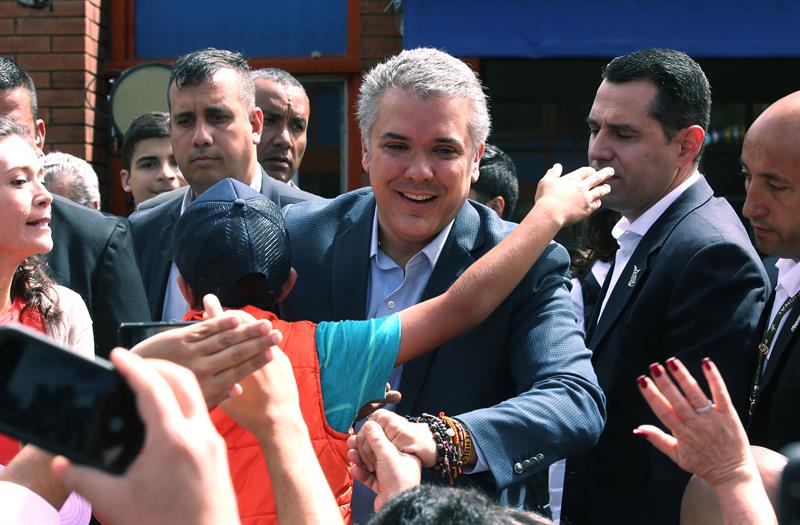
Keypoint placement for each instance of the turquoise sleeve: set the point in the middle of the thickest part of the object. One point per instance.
(355, 359)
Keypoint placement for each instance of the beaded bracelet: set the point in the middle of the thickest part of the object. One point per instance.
(448, 453)
(467, 449)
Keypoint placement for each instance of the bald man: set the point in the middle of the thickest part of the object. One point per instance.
(771, 168)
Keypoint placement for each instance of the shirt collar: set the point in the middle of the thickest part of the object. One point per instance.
(646, 220)
(190, 196)
(432, 250)
(788, 276)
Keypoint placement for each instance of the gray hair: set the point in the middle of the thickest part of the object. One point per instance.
(278, 75)
(76, 176)
(426, 73)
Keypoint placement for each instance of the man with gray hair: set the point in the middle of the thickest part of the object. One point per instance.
(520, 387)
(72, 178)
(286, 108)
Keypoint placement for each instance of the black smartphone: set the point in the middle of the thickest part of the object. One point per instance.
(131, 334)
(66, 403)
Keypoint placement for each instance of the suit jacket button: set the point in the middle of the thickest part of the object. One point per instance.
(526, 464)
(518, 468)
(539, 457)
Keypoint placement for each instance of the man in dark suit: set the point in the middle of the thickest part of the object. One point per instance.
(214, 128)
(771, 166)
(686, 281)
(521, 382)
(92, 252)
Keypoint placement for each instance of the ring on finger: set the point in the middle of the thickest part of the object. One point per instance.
(705, 408)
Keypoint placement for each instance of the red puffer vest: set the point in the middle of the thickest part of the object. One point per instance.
(248, 468)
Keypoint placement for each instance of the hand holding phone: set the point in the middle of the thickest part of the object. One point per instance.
(182, 474)
(65, 403)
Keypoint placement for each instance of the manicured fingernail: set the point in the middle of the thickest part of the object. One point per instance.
(672, 364)
(642, 382)
(655, 370)
(707, 364)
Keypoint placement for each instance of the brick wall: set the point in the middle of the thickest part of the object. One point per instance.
(63, 47)
(380, 36)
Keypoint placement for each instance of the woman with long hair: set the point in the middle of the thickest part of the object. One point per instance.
(29, 297)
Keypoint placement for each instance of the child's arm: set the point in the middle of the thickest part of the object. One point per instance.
(486, 283)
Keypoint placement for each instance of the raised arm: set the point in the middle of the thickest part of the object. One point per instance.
(479, 290)
(706, 439)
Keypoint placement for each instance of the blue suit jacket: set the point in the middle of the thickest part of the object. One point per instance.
(697, 292)
(153, 229)
(521, 381)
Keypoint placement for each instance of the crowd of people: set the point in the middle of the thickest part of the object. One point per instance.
(403, 353)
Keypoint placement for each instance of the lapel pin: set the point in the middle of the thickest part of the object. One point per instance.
(634, 276)
(794, 326)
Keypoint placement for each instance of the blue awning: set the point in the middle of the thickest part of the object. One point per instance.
(541, 29)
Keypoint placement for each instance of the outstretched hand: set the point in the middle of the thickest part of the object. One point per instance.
(574, 196)
(222, 350)
(707, 438)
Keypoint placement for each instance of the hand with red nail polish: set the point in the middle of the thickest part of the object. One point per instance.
(707, 438)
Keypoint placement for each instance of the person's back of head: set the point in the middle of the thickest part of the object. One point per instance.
(72, 178)
(440, 505)
(232, 242)
(498, 178)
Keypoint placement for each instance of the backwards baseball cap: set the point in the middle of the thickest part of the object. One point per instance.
(232, 242)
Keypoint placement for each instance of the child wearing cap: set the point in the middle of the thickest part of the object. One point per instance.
(231, 242)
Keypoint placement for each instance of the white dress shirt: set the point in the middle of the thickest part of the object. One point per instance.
(788, 286)
(175, 306)
(628, 234)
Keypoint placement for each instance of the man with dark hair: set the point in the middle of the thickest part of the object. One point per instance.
(92, 253)
(286, 108)
(686, 281)
(215, 128)
(497, 186)
(148, 165)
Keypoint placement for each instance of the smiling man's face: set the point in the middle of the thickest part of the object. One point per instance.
(421, 162)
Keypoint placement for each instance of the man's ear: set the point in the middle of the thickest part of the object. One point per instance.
(188, 294)
(125, 180)
(476, 163)
(287, 286)
(498, 204)
(257, 121)
(39, 134)
(365, 155)
(691, 140)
